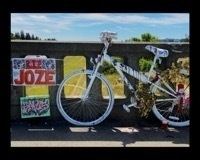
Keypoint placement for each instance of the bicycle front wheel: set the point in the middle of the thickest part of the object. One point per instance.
(171, 108)
(87, 111)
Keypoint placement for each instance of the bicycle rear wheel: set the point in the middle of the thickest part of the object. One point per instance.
(171, 108)
(84, 111)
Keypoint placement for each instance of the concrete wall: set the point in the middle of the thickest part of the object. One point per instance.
(131, 52)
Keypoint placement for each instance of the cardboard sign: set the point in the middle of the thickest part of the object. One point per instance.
(34, 70)
(38, 106)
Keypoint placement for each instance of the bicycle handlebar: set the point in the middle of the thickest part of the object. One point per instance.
(108, 34)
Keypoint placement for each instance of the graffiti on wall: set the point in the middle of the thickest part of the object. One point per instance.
(35, 106)
(34, 71)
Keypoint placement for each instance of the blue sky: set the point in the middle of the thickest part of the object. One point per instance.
(86, 27)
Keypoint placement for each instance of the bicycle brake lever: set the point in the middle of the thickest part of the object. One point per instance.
(159, 59)
(92, 60)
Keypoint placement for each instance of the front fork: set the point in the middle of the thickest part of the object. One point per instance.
(96, 65)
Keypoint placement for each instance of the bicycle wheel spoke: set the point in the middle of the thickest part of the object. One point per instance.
(80, 109)
(169, 108)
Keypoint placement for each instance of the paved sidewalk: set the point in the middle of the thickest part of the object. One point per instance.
(62, 134)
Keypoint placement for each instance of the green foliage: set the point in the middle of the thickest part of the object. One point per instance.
(145, 64)
(23, 36)
(135, 39)
(107, 68)
(145, 37)
(186, 39)
(12, 36)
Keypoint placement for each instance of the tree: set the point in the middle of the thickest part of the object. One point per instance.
(147, 37)
(50, 39)
(32, 37)
(12, 36)
(135, 39)
(22, 35)
(17, 35)
(28, 37)
(170, 40)
(186, 39)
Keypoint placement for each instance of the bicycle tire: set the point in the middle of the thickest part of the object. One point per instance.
(166, 107)
(91, 111)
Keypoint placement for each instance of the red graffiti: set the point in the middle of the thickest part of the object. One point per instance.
(37, 76)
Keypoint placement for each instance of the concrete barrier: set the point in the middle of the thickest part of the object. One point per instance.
(130, 52)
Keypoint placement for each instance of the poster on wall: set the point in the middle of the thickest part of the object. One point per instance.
(34, 70)
(37, 106)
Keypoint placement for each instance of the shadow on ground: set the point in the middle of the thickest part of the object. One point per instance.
(104, 132)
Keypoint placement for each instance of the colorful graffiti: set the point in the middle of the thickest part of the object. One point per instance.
(35, 107)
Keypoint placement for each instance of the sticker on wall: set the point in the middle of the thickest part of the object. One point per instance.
(34, 70)
(37, 106)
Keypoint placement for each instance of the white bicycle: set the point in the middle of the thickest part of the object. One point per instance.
(85, 97)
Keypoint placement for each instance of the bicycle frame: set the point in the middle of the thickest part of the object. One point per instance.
(120, 67)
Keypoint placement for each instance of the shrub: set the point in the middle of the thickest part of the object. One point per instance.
(107, 68)
(145, 64)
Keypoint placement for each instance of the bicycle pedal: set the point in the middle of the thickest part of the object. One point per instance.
(126, 108)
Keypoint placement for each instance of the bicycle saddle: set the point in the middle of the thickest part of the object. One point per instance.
(159, 52)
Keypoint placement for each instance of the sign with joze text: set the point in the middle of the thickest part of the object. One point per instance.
(34, 70)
